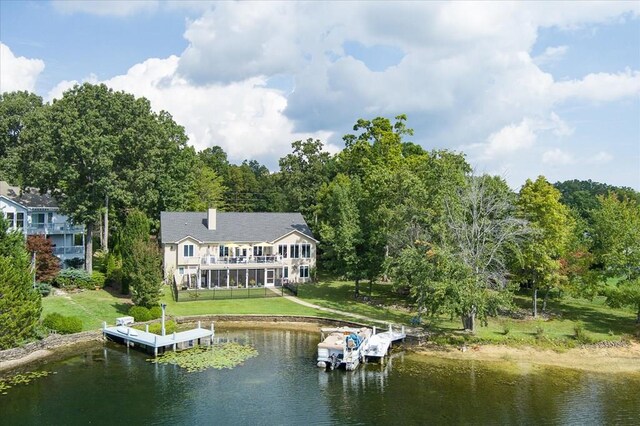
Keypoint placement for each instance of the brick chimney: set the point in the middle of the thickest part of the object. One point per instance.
(211, 219)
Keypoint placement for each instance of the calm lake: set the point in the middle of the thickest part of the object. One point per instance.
(281, 386)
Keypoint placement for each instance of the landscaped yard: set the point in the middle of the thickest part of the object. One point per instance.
(598, 321)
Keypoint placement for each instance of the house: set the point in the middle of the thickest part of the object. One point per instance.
(34, 213)
(226, 249)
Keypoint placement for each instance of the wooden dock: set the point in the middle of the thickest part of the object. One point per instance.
(380, 343)
(157, 343)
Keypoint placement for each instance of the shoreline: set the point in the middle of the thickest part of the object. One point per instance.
(609, 360)
(614, 360)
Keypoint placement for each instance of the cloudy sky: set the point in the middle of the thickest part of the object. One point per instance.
(523, 89)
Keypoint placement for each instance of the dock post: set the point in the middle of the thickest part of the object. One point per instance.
(104, 325)
(212, 333)
(374, 330)
(146, 328)
(390, 328)
(403, 329)
(174, 335)
(155, 351)
(199, 324)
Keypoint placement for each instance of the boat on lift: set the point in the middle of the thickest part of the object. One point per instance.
(343, 346)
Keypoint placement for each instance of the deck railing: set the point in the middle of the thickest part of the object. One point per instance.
(68, 250)
(54, 228)
(234, 260)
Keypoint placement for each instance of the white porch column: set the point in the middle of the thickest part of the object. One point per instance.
(209, 279)
(227, 277)
(265, 277)
(246, 278)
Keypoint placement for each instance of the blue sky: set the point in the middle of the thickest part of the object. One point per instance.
(524, 89)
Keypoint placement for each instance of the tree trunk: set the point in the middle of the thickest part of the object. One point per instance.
(469, 321)
(105, 229)
(88, 249)
(535, 301)
(385, 278)
(544, 301)
(638, 317)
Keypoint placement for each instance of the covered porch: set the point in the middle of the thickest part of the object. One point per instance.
(249, 277)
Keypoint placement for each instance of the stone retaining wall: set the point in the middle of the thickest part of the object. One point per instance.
(266, 318)
(51, 342)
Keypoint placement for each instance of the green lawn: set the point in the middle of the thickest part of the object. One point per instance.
(92, 306)
(96, 306)
(598, 320)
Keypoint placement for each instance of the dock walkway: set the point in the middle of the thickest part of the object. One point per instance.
(176, 340)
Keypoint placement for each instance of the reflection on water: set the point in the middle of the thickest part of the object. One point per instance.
(110, 384)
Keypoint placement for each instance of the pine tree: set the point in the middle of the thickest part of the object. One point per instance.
(20, 304)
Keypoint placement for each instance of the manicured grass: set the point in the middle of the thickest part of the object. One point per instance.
(267, 306)
(96, 306)
(340, 295)
(92, 306)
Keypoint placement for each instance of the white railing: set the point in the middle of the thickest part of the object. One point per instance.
(68, 250)
(54, 228)
(235, 260)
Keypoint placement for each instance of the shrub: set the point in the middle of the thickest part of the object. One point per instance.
(114, 271)
(506, 327)
(581, 335)
(155, 312)
(62, 324)
(74, 263)
(539, 332)
(73, 278)
(44, 289)
(100, 260)
(169, 327)
(97, 279)
(140, 313)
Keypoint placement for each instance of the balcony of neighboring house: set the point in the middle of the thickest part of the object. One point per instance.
(54, 228)
(233, 262)
(77, 251)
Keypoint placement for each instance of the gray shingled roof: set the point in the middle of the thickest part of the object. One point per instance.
(230, 226)
(30, 198)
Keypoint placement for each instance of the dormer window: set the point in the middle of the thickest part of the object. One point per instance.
(188, 250)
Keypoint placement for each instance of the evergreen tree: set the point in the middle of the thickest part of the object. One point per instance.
(20, 304)
(136, 229)
(146, 274)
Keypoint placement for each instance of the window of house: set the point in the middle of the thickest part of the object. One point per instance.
(306, 250)
(294, 249)
(282, 250)
(257, 250)
(181, 270)
(37, 219)
(20, 221)
(11, 219)
(304, 271)
(77, 240)
(285, 272)
(223, 251)
(188, 250)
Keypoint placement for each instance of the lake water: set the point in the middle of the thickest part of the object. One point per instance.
(281, 386)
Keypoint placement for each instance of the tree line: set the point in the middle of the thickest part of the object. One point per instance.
(383, 208)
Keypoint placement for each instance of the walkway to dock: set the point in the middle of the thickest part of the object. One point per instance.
(410, 331)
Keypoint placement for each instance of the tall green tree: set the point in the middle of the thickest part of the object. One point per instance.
(146, 273)
(302, 174)
(136, 229)
(20, 303)
(207, 189)
(552, 226)
(340, 229)
(15, 107)
(617, 249)
(96, 148)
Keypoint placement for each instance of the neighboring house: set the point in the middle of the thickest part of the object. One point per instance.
(223, 249)
(34, 213)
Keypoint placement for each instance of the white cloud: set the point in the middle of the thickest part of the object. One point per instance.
(601, 157)
(551, 54)
(602, 87)
(245, 119)
(18, 72)
(557, 157)
(514, 137)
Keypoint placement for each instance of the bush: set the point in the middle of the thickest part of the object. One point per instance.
(100, 260)
(74, 263)
(44, 289)
(156, 327)
(140, 313)
(98, 279)
(581, 335)
(114, 271)
(506, 327)
(155, 312)
(73, 278)
(62, 324)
